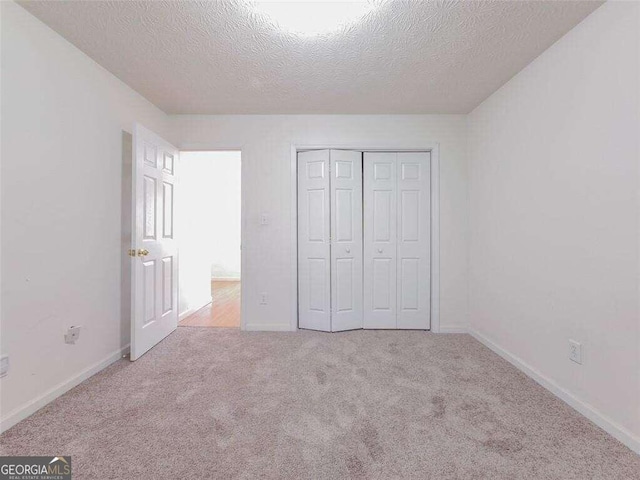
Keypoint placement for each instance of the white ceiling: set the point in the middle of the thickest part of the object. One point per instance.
(222, 57)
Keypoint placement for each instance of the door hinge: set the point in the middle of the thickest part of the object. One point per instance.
(132, 253)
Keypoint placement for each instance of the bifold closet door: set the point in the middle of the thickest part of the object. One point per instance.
(380, 188)
(330, 240)
(346, 240)
(314, 251)
(397, 219)
(414, 240)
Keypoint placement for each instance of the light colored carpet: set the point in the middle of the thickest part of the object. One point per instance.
(217, 403)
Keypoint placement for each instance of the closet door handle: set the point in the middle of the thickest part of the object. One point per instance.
(348, 250)
(379, 250)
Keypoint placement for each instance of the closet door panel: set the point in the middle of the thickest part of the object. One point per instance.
(346, 235)
(380, 211)
(414, 240)
(314, 259)
(381, 283)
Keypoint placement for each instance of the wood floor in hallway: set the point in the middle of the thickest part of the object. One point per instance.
(223, 311)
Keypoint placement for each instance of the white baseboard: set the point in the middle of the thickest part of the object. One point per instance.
(453, 329)
(186, 313)
(268, 327)
(32, 407)
(601, 420)
(194, 309)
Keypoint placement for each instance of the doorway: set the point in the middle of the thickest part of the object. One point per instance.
(367, 238)
(208, 216)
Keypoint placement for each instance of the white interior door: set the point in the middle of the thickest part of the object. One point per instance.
(314, 247)
(346, 240)
(380, 192)
(414, 240)
(154, 254)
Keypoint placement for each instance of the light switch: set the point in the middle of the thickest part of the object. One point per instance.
(264, 219)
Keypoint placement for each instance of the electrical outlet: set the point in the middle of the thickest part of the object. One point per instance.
(4, 365)
(72, 335)
(575, 351)
(263, 298)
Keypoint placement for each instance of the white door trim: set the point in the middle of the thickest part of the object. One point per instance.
(206, 147)
(434, 149)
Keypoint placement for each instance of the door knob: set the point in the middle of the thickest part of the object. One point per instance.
(379, 250)
(348, 250)
(143, 252)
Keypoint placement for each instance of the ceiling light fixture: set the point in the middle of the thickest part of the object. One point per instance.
(313, 17)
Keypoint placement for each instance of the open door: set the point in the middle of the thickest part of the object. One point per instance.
(154, 282)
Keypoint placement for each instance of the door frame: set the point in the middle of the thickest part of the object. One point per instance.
(434, 150)
(243, 240)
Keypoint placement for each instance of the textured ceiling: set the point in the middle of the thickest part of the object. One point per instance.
(223, 57)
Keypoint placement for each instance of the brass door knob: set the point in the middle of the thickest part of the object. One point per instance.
(143, 252)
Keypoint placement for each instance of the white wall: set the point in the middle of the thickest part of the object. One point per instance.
(208, 223)
(554, 217)
(63, 118)
(266, 188)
